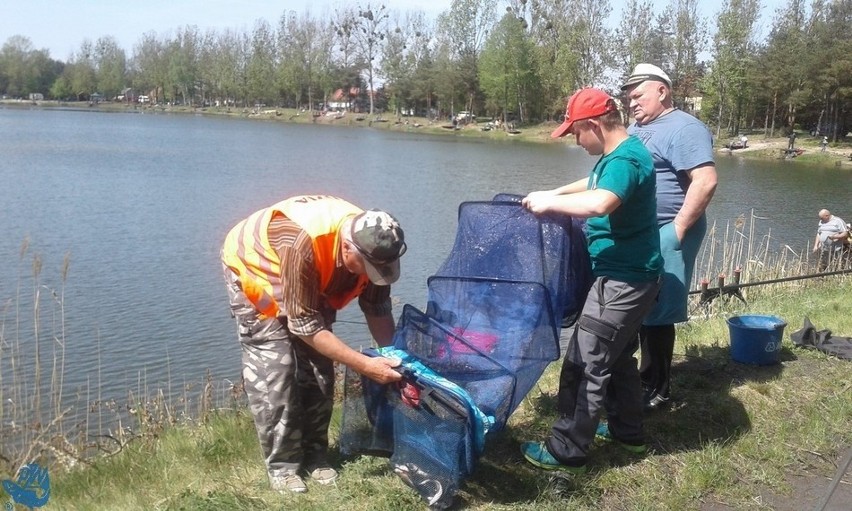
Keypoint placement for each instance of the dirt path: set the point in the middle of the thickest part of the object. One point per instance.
(807, 491)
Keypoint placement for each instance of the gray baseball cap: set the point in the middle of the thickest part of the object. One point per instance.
(381, 242)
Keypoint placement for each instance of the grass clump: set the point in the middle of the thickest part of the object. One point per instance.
(736, 436)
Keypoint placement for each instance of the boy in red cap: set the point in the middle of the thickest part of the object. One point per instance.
(618, 199)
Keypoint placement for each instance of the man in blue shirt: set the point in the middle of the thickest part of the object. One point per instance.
(682, 149)
(599, 370)
(831, 239)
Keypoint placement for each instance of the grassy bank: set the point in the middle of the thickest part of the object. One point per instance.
(838, 154)
(737, 437)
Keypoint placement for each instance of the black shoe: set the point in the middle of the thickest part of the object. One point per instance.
(656, 402)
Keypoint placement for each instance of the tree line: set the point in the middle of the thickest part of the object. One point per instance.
(516, 59)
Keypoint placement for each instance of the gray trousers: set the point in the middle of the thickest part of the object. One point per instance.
(289, 387)
(599, 371)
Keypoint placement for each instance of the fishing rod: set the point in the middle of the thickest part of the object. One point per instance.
(709, 294)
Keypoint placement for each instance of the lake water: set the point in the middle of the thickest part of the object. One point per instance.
(140, 204)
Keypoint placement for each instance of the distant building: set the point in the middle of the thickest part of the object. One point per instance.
(693, 104)
(340, 100)
(127, 95)
(36, 96)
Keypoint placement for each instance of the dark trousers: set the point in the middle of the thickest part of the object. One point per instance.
(657, 343)
(599, 371)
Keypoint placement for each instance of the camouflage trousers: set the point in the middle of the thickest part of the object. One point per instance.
(289, 387)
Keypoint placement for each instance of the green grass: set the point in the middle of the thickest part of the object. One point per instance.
(734, 433)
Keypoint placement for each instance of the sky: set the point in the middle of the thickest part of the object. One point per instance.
(60, 26)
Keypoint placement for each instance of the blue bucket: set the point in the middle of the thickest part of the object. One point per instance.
(756, 339)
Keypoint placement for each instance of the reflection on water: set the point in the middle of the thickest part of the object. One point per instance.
(141, 204)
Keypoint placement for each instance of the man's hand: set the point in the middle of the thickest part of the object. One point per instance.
(701, 189)
(380, 369)
(680, 232)
(535, 201)
(538, 202)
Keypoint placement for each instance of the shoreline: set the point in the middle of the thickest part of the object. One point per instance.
(839, 155)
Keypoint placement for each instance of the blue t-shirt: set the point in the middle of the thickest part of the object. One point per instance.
(625, 244)
(678, 142)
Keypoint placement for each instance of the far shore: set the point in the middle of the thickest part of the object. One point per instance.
(838, 154)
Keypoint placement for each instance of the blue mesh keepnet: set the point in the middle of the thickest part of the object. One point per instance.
(447, 352)
(507, 324)
(505, 242)
(491, 326)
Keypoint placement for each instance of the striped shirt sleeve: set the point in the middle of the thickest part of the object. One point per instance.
(302, 300)
(304, 306)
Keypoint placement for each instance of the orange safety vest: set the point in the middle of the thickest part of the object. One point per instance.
(248, 253)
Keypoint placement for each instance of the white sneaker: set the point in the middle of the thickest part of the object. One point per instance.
(324, 475)
(287, 483)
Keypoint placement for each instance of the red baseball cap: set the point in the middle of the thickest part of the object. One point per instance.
(584, 104)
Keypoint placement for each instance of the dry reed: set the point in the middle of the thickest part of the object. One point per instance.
(68, 430)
